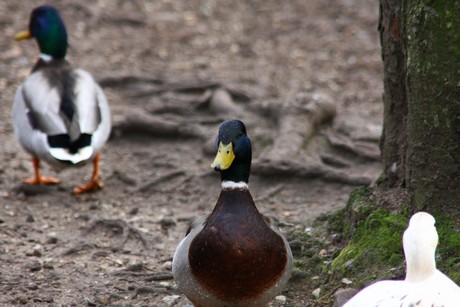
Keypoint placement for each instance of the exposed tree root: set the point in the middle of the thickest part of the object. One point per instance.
(183, 116)
(222, 103)
(285, 168)
(180, 104)
(182, 87)
(296, 125)
(334, 161)
(160, 86)
(127, 80)
(364, 151)
(145, 124)
(238, 94)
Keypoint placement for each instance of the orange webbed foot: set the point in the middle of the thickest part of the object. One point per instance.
(41, 180)
(93, 185)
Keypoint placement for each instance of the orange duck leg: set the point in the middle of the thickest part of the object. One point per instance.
(95, 183)
(38, 179)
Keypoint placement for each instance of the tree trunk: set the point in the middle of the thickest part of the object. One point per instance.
(394, 138)
(421, 136)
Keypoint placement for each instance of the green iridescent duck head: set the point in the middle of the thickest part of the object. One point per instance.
(47, 27)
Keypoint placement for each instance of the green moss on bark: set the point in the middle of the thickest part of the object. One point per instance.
(374, 250)
(357, 209)
(448, 251)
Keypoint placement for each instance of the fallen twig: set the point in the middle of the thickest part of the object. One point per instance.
(144, 290)
(270, 193)
(125, 178)
(147, 276)
(81, 246)
(119, 227)
(134, 20)
(164, 177)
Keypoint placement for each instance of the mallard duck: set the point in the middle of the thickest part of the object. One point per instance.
(60, 113)
(234, 257)
(424, 285)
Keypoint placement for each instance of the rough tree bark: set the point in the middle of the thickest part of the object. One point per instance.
(421, 137)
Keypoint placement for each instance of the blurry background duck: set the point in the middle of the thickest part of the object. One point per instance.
(60, 113)
(234, 257)
(424, 285)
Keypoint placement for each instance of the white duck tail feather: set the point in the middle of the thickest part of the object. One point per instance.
(62, 154)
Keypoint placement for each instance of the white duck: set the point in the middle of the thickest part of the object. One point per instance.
(60, 114)
(424, 285)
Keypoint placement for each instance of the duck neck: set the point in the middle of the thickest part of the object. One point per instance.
(420, 266)
(238, 172)
(235, 199)
(53, 43)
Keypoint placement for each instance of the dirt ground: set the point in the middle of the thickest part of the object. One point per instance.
(305, 76)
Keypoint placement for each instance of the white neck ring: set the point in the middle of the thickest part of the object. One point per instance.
(46, 57)
(228, 185)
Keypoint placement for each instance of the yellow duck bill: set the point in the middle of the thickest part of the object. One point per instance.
(23, 35)
(224, 157)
